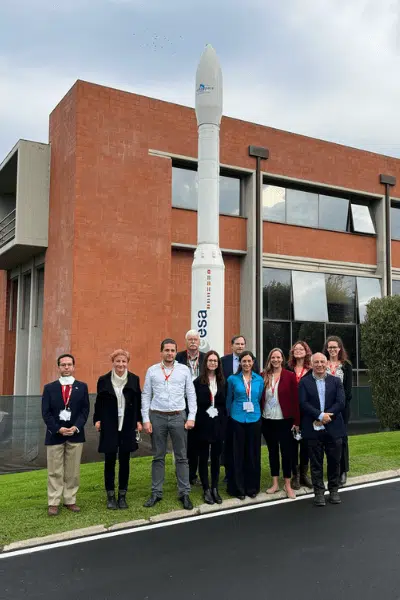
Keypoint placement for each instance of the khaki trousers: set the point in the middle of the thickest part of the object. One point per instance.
(63, 465)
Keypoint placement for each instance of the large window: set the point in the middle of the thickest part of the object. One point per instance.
(184, 190)
(309, 296)
(395, 222)
(312, 306)
(311, 209)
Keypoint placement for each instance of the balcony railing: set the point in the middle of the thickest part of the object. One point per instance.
(7, 228)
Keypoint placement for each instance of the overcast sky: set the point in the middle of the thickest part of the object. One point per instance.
(323, 68)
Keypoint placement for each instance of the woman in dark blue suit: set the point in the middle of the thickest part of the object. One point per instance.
(245, 390)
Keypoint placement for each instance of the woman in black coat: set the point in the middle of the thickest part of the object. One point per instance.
(210, 423)
(340, 366)
(116, 417)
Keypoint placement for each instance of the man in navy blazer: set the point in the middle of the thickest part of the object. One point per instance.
(230, 362)
(65, 410)
(322, 401)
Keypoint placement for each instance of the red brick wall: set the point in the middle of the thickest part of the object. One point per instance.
(316, 243)
(396, 254)
(181, 278)
(109, 277)
(59, 279)
(172, 128)
(232, 230)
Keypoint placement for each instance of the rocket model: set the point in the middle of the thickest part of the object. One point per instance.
(208, 269)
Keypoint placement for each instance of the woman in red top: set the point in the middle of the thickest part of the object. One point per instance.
(280, 416)
(300, 363)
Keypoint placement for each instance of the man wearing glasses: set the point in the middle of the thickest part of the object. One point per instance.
(65, 410)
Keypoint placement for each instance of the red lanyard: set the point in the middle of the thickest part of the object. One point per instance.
(298, 377)
(66, 395)
(247, 386)
(273, 386)
(165, 375)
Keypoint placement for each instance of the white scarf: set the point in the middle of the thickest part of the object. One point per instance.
(118, 384)
(66, 380)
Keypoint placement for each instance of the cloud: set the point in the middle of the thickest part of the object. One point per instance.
(323, 68)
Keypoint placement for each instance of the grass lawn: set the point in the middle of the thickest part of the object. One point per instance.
(24, 505)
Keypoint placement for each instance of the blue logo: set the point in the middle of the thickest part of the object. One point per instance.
(204, 88)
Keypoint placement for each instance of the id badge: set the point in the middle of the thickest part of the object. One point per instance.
(65, 415)
(248, 406)
(120, 412)
(212, 411)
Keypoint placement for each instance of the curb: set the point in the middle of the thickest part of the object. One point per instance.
(203, 509)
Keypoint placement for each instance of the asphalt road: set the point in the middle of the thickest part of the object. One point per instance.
(291, 550)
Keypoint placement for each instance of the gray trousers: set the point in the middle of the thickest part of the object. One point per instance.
(174, 425)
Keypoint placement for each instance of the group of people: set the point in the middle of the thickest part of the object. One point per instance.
(215, 410)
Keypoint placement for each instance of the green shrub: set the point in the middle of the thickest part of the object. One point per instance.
(380, 339)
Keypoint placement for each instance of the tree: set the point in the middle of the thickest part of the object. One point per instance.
(380, 336)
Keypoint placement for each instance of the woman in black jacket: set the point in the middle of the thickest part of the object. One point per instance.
(340, 366)
(210, 422)
(117, 416)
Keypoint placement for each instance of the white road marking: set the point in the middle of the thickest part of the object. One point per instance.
(170, 523)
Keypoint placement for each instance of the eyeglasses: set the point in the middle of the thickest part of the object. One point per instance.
(212, 360)
(333, 347)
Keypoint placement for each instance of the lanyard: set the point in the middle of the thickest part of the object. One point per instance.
(333, 369)
(166, 377)
(273, 385)
(298, 377)
(247, 386)
(193, 363)
(66, 395)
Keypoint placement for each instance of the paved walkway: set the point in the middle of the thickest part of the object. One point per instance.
(284, 551)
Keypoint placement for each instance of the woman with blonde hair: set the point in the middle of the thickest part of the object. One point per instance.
(117, 416)
(280, 416)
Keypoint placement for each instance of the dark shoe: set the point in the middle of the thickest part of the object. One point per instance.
(240, 497)
(73, 508)
(216, 496)
(122, 499)
(208, 499)
(304, 478)
(52, 511)
(186, 501)
(111, 501)
(295, 481)
(152, 501)
(319, 500)
(252, 496)
(334, 498)
(343, 479)
(193, 480)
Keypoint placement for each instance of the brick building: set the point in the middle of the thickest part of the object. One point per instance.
(98, 229)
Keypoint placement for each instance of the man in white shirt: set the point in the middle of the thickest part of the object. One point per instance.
(167, 386)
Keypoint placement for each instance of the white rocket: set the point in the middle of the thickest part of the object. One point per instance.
(208, 271)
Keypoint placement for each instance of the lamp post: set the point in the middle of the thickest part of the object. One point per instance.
(259, 153)
(388, 181)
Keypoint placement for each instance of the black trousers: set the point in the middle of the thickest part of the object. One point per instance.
(244, 479)
(323, 443)
(192, 453)
(278, 436)
(299, 450)
(110, 459)
(344, 460)
(213, 451)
